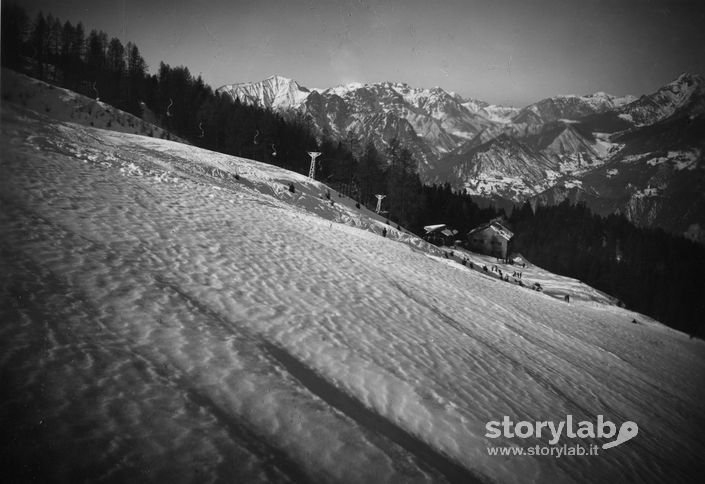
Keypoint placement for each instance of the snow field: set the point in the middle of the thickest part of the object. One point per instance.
(163, 322)
(171, 322)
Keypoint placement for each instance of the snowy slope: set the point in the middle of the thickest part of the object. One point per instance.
(164, 320)
(64, 105)
(553, 284)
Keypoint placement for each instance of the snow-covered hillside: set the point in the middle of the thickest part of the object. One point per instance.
(65, 105)
(172, 314)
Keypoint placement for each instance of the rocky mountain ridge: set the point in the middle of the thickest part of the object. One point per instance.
(566, 146)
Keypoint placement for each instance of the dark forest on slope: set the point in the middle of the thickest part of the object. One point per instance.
(650, 271)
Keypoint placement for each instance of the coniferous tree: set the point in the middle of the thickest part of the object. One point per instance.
(369, 175)
(136, 73)
(116, 57)
(38, 44)
(78, 46)
(54, 38)
(15, 24)
(67, 38)
(95, 51)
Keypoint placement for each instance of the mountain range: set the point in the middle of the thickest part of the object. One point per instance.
(641, 157)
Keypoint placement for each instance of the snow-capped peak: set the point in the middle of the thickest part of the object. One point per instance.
(682, 88)
(281, 80)
(276, 92)
(663, 103)
(609, 99)
(687, 79)
(343, 89)
(599, 100)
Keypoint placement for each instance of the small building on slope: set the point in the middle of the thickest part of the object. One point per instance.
(440, 234)
(491, 238)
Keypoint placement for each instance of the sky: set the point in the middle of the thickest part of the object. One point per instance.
(511, 52)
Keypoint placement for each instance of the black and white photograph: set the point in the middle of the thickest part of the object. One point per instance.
(352, 241)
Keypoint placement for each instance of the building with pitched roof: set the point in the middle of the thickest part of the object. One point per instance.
(491, 238)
